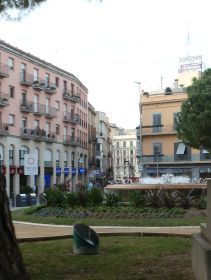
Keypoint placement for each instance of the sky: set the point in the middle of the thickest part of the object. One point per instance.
(111, 45)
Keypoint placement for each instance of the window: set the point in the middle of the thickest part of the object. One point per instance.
(117, 153)
(124, 144)
(157, 151)
(24, 98)
(72, 88)
(57, 81)
(57, 129)
(157, 122)
(11, 120)
(124, 152)
(35, 76)
(24, 122)
(11, 63)
(117, 144)
(36, 123)
(47, 80)
(182, 151)
(65, 85)
(11, 156)
(131, 143)
(12, 92)
(57, 104)
(131, 152)
(117, 162)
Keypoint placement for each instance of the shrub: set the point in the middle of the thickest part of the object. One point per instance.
(185, 198)
(70, 199)
(168, 198)
(136, 198)
(153, 198)
(95, 196)
(54, 197)
(25, 189)
(112, 199)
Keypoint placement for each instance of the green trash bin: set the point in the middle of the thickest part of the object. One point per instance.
(85, 240)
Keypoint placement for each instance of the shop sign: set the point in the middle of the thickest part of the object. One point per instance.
(66, 171)
(58, 171)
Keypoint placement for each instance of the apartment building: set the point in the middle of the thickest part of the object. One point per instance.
(162, 151)
(103, 148)
(44, 110)
(92, 146)
(124, 156)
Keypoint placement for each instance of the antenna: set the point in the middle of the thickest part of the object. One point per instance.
(188, 39)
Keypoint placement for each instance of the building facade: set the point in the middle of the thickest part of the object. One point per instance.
(162, 151)
(44, 110)
(124, 156)
(103, 148)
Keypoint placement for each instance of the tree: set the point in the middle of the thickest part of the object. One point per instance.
(20, 6)
(11, 262)
(194, 120)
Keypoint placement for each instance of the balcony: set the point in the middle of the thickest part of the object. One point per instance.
(158, 130)
(71, 118)
(50, 137)
(71, 140)
(4, 99)
(42, 110)
(38, 84)
(50, 112)
(4, 70)
(50, 87)
(68, 95)
(4, 129)
(37, 134)
(26, 107)
(26, 79)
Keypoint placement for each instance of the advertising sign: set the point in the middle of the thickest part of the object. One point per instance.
(30, 164)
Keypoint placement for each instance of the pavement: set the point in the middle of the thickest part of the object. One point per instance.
(32, 232)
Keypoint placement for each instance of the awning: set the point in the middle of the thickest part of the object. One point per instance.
(181, 149)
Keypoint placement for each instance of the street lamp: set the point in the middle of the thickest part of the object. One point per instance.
(140, 129)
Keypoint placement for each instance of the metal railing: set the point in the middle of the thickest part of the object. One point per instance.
(155, 130)
(4, 70)
(26, 79)
(4, 99)
(72, 118)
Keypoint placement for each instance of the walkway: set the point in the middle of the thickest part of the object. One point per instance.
(28, 232)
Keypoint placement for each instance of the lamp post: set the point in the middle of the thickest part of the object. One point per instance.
(140, 164)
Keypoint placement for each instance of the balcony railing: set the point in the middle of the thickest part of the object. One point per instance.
(42, 110)
(38, 84)
(26, 107)
(68, 95)
(155, 130)
(26, 79)
(4, 99)
(4, 129)
(71, 140)
(37, 135)
(168, 158)
(4, 70)
(71, 118)
(50, 87)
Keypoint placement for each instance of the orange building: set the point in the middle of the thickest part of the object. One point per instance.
(162, 151)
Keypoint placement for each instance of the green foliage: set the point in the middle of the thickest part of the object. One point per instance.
(25, 189)
(136, 198)
(112, 198)
(168, 198)
(54, 197)
(153, 198)
(70, 200)
(185, 199)
(33, 209)
(95, 196)
(193, 123)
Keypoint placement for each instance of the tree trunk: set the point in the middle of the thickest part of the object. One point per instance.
(11, 262)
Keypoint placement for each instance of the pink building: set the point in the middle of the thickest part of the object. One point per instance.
(43, 110)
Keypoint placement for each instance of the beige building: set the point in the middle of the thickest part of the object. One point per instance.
(162, 151)
(124, 156)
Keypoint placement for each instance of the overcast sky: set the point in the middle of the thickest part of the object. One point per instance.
(111, 44)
